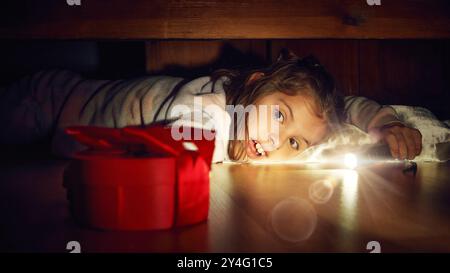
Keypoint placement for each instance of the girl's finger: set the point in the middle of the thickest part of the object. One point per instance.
(391, 140)
(417, 137)
(402, 148)
(410, 144)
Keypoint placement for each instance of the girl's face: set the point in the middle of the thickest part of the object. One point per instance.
(281, 126)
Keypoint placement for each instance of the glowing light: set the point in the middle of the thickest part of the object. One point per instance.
(350, 161)
(349, 199)
(350, 184)
(348, 211)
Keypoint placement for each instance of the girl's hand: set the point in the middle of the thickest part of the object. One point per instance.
(404, 142)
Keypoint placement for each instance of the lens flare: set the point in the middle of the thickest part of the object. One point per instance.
(321, 191)
(293, 219)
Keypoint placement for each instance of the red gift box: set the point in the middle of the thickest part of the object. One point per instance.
(137, 178)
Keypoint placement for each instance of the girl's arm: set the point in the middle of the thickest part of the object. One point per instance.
(367, 114)
(383, 124)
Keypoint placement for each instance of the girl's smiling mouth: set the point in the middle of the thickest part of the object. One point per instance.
(254, 149)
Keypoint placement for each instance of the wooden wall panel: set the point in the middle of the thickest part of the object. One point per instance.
(202, 56)
(410, 72)
(340, 58)
(446, 97)
(189, 54)
(405, 72)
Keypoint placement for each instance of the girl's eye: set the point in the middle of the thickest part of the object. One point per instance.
(278, 116)
(294, 143)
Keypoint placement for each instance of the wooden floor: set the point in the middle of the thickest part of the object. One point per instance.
(253, 208)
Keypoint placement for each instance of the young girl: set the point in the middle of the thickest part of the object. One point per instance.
(308, 109)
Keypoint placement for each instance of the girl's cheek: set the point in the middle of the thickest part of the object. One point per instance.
(252, 120)
(257, 124)
(286, 153)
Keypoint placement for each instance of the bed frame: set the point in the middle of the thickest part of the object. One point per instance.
(229, 19)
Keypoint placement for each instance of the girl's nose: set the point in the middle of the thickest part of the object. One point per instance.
(271, 143)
